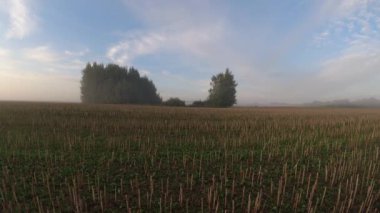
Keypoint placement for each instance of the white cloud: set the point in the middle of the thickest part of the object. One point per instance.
(4, 52)
(46, 59)
(351, 68)
(172, 25)
(77, 53)
(22, 22)
(360, 57)
(127, 50)
(41, 54)
(320, 39)
(343, 8)
(191, 41)
(360, 60)
(351, 74)
(352, 24)
(348, 6)
(348, 18)
(145, 72)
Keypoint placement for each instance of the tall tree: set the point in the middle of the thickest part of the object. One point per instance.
(116, 85)
(223, 90)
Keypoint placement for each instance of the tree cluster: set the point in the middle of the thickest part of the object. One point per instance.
(175, 102)
(199, 103)
(116, 85)
(112, 84)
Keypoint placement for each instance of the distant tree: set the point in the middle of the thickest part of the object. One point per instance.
(198, 104)
(174, 102)
(116, 85)
(223, 90)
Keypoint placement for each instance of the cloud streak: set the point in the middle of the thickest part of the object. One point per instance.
(125, 51)
(21, 19)
(193, 41)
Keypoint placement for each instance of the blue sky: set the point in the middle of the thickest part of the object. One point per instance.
(290, 51)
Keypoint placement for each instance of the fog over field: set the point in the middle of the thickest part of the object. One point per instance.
(289, 52)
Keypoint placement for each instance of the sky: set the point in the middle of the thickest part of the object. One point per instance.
(290, 51)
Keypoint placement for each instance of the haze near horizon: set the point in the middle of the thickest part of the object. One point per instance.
(279, 51)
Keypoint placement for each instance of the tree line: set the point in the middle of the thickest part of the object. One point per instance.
(113, 84)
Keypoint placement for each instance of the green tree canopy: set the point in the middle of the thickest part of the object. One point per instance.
(223, 90)
(174, 102)
(116, 85)
(199, 103)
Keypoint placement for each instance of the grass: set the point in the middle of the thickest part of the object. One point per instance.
(109, 158)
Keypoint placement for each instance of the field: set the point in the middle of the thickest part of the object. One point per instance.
(108, 158)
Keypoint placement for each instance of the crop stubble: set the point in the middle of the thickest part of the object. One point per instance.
(86, 158)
